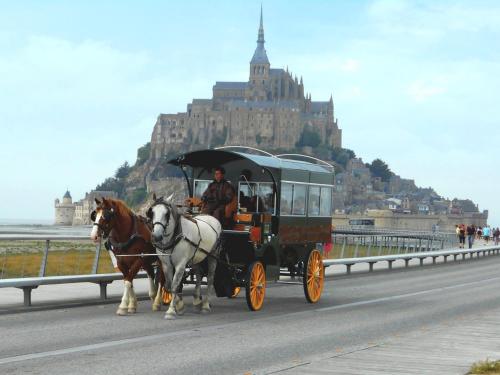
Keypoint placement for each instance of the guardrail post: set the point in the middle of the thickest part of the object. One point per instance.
(421, 261)
(27, 295)
(445, 258)
(407, 263)
(95, 266)
(348, 268)
(43, 266)
(390, 263)
(455, 257)
(463, 256)
(434, 260)
(343, 248)
(103, 289)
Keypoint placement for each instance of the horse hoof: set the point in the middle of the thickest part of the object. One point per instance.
(121, 312)
(132, 311)
(169, 317)
(156, 307)
(206, 310)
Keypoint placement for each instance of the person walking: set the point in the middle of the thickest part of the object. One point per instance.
(461, 235)
(496, 236)
(470, 235)
(486, 233)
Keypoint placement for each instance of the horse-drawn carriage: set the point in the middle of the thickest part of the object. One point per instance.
(282, 211)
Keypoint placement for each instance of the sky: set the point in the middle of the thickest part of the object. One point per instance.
(415, 83)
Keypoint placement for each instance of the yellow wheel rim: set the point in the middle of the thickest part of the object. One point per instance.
(315, 276)
(166, 296)
(257, 286)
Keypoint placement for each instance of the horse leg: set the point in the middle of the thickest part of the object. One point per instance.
(153, 290)
(122, 309)
(212, 264)
(176, 305)
(197, 290)
(161, 284)
(132, 303)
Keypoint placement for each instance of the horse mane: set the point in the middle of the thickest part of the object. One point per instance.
(121, 207)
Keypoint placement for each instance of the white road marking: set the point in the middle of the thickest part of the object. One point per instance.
(109, 344)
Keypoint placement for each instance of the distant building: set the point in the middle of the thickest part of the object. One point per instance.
(69, 213)
(64, 211)
(85, 206)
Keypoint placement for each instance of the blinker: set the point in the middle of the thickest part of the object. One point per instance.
(93, 215)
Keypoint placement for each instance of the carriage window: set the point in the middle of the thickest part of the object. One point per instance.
(286, 199)
(247, 196)
(199, 187)
(266, 198)
(326, 201)
(299, 199)
(314, 201)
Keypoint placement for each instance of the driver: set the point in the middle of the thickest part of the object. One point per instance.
(218, 194)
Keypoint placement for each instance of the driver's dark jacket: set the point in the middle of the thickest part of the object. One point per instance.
(217, 195)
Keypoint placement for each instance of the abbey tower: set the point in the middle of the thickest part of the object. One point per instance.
(270, 110)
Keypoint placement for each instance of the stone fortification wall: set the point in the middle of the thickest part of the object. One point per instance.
(64, 214)
(387, 219)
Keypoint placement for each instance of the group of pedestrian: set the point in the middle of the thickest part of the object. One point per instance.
(472, 232)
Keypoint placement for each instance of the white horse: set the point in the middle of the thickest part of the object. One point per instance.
(184, 242)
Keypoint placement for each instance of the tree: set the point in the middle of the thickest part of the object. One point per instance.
(379, 168)
(342, 155)
(309, 138)
(112, 184)
(123, 171)
(143, 154)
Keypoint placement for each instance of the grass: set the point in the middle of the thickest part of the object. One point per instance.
(24, 258)
(350, 251)
(485, 367)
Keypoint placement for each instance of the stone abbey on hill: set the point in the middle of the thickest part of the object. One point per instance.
(270, 110)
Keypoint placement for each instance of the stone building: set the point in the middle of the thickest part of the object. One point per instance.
(69, 213)
(270, 110)
(85, 206)
(64, 211)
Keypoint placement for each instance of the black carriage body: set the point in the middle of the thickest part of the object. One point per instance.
(291, 209)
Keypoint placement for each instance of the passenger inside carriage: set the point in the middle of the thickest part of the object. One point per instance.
(255, 196)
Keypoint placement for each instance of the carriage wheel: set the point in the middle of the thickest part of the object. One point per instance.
(314, 276)
(236, 291)
(166, 296)
(255, 286)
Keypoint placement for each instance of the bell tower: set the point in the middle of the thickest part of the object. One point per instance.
(259, 65)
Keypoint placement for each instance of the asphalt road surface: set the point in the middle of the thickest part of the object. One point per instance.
(355, 311)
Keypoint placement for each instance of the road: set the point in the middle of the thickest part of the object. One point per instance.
(355, 313)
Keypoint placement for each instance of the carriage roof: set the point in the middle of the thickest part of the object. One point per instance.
(212, 158)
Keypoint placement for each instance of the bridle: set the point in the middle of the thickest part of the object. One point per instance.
(107, 214)
(168, 215)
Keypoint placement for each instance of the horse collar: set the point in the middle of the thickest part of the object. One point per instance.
(123, 246)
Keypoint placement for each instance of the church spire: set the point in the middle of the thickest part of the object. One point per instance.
(261, 28)
(260, 56)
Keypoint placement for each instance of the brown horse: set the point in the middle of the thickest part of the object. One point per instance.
(128, 236)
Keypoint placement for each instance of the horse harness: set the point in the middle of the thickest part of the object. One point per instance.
(178, 235)
(110, 244)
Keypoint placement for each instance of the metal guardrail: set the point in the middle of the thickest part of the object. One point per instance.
(27, 284)
(349, 262)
